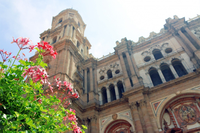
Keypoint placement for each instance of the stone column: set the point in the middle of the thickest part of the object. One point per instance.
(86, 123)
(173, 71)
(173, 118)
(100, 98)
(193, 36)
(68, 29)
(150, 83)
(91, 79)
(85, 79)
(116, 91)
(95, 80)
(136, 118)
(65, 30)
(108, 94)
(161, 75)
(186, 40)
(68, 61)
(146, 116)
(70, 68)
(74, 36)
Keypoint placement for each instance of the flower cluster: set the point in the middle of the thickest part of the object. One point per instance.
(72, 118)
(48, 48)
(23, 43)
(36, 74)
(4, 54)
(26, 107)
(69, 92)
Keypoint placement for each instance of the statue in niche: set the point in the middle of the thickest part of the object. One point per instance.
(187, 114)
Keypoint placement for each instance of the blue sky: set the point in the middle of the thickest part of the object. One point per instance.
(106, 20)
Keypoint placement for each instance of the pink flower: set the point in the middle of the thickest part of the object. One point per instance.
(40, 101)
(48, 48)
(23, 43)
(36, 74)
(77, 130)
(4, 55)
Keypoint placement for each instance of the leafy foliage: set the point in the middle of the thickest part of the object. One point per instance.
(24, 106)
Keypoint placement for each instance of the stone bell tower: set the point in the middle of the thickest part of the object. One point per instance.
(67, 37)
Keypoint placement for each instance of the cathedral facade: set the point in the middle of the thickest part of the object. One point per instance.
(149, 86)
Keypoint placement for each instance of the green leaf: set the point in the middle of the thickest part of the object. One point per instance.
(84, 127)
(30, 122)
(17, 114)
(42, 64)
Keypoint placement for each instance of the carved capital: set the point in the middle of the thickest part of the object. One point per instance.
(142, 103)
(133, 105)
(85, 121)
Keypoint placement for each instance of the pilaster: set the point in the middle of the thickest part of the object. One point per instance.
(91, 79)
(193, 36)
(186, 40)
(146, 116)
(85, 80)
(136, 118)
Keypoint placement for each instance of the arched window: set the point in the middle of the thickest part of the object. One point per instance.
(60, 20)
(112, 92)
(178, 66)
(166, 72)
(157, 54)
(120, 88)
(54, 40)
(155, 76)
(104, 95)
(109, 73)
(78, 44)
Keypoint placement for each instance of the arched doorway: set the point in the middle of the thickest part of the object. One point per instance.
(119, 126)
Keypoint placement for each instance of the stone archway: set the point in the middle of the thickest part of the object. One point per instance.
(118, 126)
(182, 112)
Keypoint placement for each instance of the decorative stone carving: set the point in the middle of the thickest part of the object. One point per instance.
(176, 17)
(187, 114)
(133, 105)
(141, 39)
(152, 34)
(114, 117)
(142, 103)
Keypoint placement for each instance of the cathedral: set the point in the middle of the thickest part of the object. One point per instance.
(149, 86)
